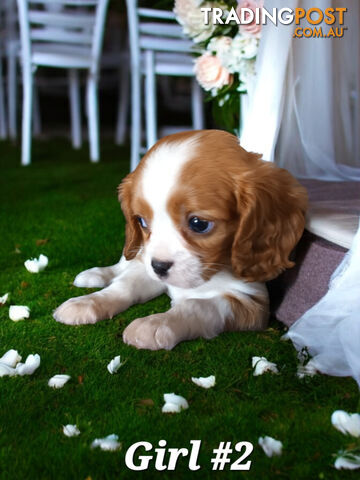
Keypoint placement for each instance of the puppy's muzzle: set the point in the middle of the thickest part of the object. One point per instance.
(161, 268)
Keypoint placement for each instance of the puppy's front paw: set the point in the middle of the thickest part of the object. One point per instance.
(151, 333)
(78, 311)
(92, 278)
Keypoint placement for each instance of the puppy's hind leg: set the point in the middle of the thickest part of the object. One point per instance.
(100, 277)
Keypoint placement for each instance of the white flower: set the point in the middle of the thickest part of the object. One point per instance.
(174, 403)
(190, 16)
(109, 443)
(270, 446)
(261, 365)
(346, 423)
(4, 298)
(5, 370)
(242, 48)
(71, 430)
(347, 461)
(32, 362)
(11, 358)
(36, 265)
(19, 312)
(114, 365)
(58, 381)
(205, 382)
(221, 45)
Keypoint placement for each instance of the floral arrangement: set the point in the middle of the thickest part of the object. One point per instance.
(225, 66)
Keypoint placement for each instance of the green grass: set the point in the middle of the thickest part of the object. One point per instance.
(72, 206)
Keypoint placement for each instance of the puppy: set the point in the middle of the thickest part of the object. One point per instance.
(206, 222)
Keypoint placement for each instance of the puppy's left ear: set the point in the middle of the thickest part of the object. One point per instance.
(271, 206)
(133, 237)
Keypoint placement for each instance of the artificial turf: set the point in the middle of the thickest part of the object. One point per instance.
(67, 208)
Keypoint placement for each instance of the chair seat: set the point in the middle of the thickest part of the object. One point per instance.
(61, 56)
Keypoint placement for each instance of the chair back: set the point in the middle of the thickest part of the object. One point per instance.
(156, 30)
(69, 24)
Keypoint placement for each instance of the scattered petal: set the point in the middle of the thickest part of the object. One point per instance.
(19, 312)
(270, 446)
(32, 362)
(347, 461)
(36, 265)
(261, 365)
(6, 370)
(204, 382)
(308, 370)
(11, 358)
(4, 298)
(71, 430)
(346, 423)
(58, 381)
(114, 365)
(109, 443)
(174, 403)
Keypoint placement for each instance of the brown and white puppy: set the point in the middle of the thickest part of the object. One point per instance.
(206, 222)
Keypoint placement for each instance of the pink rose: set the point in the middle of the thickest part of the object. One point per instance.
(210, 73)
(252, 28)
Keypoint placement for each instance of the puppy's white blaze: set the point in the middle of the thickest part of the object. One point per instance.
(160, 177)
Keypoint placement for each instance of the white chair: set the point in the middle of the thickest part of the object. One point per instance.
(157, 47)
(62, 34)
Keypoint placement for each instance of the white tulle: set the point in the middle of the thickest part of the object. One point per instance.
(304, 109)
(331, 329)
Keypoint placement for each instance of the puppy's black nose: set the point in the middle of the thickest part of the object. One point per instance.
(161, 268)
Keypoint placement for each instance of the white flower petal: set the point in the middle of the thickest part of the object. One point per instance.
(174, 403)
(114, 365)
(346, 423)
(270, 446)
(11, 358)
(204, 382)
(19, 312)
(32, 362)
(4, 299)
(347, 463)
(6, 370)
(71, 430)
(36, 265)
(308, 370)
(261, 365)
(109, 443)
(58, 381)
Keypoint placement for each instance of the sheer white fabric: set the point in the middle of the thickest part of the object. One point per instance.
(331, 329)
(304, 108)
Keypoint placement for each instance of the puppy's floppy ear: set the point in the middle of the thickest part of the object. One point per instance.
(271, 206)
(133, 237)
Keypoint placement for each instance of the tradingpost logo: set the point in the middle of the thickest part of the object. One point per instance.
(312, 22)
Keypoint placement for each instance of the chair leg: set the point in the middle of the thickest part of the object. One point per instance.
(123, 106)
(12, 94)
(150, 99)
(93, 117)
(36, 111)
(197, 105)
(75, 107)
(135, 116)
(26, 119)
(3, 126)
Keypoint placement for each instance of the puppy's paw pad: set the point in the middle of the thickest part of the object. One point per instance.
(91, 278)
(76, 311)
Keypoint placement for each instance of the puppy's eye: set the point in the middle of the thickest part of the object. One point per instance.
(142, 222)
(200, 226)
